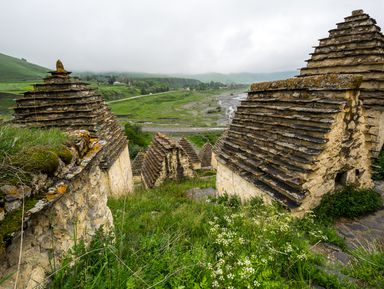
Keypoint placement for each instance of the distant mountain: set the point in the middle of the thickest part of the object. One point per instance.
(240, 78)
(14, 69)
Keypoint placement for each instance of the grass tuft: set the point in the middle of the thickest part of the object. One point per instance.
(349, 202)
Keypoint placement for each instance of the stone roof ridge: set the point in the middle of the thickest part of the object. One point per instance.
(188, 149)
(318, 82)
(165, 140)
(216, 147)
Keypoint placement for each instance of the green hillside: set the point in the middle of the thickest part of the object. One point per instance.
(241, 78)
(14, 69)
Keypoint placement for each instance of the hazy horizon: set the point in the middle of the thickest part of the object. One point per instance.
(172, 36)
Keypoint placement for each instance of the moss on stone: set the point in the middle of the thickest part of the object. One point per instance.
(38, 159)
(63, 153)
(12, 222)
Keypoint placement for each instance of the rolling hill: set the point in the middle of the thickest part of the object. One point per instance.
(240, 78)
(13, 69)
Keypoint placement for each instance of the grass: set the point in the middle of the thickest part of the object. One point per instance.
(14, 69)
(188, 108)
(9, 91)
(201, 138)
(164, 240)
(24, 151)
(368, 265)
(113, 92)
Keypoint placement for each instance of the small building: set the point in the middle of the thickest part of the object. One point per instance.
(191, 153)
(67, 103)
(205, 155)
(216, 149)
(136, 166)
(164, 159)
(356, 46)
(295, 140)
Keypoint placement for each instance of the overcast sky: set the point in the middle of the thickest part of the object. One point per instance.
(170, 36)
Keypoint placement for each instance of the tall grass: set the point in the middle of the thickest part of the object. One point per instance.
(164, 240)
(23, 151)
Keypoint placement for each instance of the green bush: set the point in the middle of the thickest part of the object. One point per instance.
(350, 202)
(138, 140)
(201, 138)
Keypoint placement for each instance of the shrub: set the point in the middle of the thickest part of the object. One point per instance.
(350, 202)
(138, 140)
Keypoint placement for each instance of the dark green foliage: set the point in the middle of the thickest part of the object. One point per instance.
(138, 140)
(350, 202)
(378, 167)
(201, 138)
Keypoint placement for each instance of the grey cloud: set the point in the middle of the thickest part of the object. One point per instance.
(169, 36)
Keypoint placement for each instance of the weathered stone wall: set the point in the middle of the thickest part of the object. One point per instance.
(120, 175)
(230, 183)
(50, 233)
(375, 130)
(346, 159)
(214, 163)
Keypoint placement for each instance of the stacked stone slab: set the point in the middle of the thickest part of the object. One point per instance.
(356, 46)
(295, 140)
(68, 103)
(205, 155)
(216, 149)
(191, 153)
(137, 165)
(165, 159)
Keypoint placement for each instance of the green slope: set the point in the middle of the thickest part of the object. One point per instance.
(241, 78)
(14, 69)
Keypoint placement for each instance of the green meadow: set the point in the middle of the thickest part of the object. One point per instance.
(184, 108)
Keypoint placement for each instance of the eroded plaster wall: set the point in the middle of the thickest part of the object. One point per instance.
(77, 215)
(120, 175)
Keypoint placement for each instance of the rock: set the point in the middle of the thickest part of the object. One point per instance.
(8, 190)
(11, 206)
(2, 214)
(201, 194)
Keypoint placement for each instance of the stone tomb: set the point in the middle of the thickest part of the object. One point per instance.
(295, 140)
(356, 46)
(191, 153)
(205, 155)
(136, 166)
(216, 149)
(66, 102)
(165, 159)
